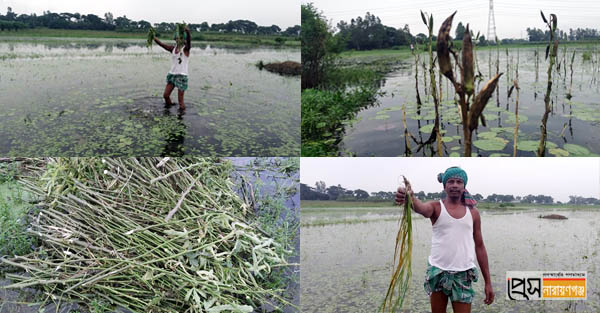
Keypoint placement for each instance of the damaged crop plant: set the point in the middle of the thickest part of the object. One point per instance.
(149, 235)
(471, 105)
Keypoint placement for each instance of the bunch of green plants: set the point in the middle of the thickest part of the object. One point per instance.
(399, 283)
(325, 113)
(150, 235)
(150, 37)
(180, 32)
(14, 239)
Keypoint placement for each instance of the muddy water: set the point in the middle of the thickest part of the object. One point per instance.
(347, 267)
(104, 97)
(573, 125)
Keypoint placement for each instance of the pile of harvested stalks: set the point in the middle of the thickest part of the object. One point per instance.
(394, 298)
(147, 234)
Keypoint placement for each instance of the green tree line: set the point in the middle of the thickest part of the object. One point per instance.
(14, 21)
(323, 192)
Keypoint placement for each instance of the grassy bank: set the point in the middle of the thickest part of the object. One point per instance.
(319, 204)
(205, 36)
(306, 204)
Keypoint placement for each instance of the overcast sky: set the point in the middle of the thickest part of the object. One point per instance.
(283, 13)
(556, 177)
(512, 16)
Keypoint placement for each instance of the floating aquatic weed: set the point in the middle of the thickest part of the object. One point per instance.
(576, 150)
(490, 144)
(399, 283)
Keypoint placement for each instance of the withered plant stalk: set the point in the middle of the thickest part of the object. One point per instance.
(470, 113)
(550, 51)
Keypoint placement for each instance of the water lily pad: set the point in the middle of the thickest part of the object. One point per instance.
(490, 144)
(427, 128)
(447, 139)
(576, 150)
(503, 129)
(558, 152)
(528, 145)
(510, 118)
(487, 135)
(455, 148)
(496, 154)
(454, 154)
(490, 116)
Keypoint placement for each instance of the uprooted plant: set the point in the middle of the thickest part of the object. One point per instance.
(471, 113)
(400, 280)
(551, 51)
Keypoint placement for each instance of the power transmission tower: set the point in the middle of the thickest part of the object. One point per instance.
(491, 35)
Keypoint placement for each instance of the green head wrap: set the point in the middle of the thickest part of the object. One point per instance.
(453, 172)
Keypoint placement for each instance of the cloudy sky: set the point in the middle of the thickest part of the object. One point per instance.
(556, 177)
(283, 13)
(512, 16)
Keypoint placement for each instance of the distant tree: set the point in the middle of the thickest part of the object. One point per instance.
(320, 186)
(460, 31)
(292, 31)
(316, 40)
(361, 194)
(482, 41)
(421, 38)
(109, 18)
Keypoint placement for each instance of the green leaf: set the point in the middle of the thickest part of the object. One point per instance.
(559, 152)
(490, 144)
(487, 135)
(427, 128)
(528, 145)
(576, 150)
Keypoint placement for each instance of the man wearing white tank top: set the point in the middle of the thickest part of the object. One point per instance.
(178, 74)
(456, 242)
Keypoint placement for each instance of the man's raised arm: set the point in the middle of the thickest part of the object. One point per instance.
(424, 208)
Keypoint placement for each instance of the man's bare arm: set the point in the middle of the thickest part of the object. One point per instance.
(482, 257)
(426, 209)
(165, 46)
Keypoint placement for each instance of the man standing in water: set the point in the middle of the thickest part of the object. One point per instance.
(456, 241)
(178, 75)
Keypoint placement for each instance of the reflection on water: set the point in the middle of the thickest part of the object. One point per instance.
(347, 267)
(573, 124)
(69, 97)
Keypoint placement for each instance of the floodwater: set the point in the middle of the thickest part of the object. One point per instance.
(573, 125)
(74, 97)
(347, 267)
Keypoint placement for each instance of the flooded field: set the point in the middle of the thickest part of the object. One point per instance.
(346, 259)
(76, 97)
(573, 124)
